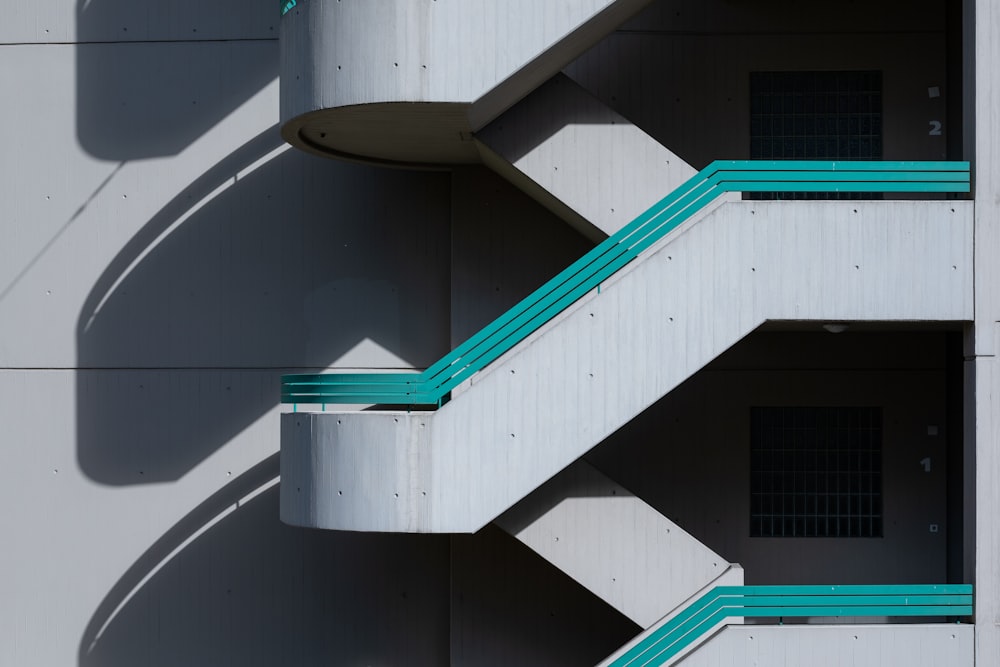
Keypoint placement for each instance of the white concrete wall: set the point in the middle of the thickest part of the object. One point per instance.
(565, 389)
(984, 372)
(837, 646)
(367, 63)
(503, 247)
(354, 53)
(163, 258)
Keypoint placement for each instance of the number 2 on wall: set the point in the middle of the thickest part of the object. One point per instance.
(935, 128)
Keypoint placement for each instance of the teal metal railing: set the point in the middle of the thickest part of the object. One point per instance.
(952, 600)
(432, 386)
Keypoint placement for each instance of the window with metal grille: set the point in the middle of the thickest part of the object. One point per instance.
(815, 116)
(816, 472)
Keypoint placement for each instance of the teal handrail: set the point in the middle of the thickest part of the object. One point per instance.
(432, 386)
(683, 630)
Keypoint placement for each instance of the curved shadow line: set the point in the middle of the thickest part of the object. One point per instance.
(192, 195)
(162, 551)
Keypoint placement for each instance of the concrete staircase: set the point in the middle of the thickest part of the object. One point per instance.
(506, 448)
(621, 347)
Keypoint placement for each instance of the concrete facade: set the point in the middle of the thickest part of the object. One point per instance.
(165, 257)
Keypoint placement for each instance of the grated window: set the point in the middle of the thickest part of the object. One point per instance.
(815, 116)
(816, 472)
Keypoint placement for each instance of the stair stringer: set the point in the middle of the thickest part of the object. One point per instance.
(732, 576)
(579, 158)
(910, 644)
(619, 349)
(612, 543)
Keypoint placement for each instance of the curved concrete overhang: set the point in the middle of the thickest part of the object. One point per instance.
(565, 388)
(406, 82)
(410, 135)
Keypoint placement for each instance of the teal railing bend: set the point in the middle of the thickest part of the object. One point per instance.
(952, 600)
(432, 386)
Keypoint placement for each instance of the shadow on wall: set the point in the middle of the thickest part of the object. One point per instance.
(209, 56)
(242, 277)
(231, 584)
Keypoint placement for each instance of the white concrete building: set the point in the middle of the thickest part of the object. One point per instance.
(785, 390)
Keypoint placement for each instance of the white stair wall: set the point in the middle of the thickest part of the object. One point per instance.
(913, 645)
(619, 349)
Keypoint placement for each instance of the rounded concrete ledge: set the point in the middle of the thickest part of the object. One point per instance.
(406, 82)
(345, 471)
(395, 134)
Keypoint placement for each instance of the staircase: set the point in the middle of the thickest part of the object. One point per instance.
(540, 386)
(495, 430)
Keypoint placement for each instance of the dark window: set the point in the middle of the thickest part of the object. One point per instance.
(815, 116)
(816, 472)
